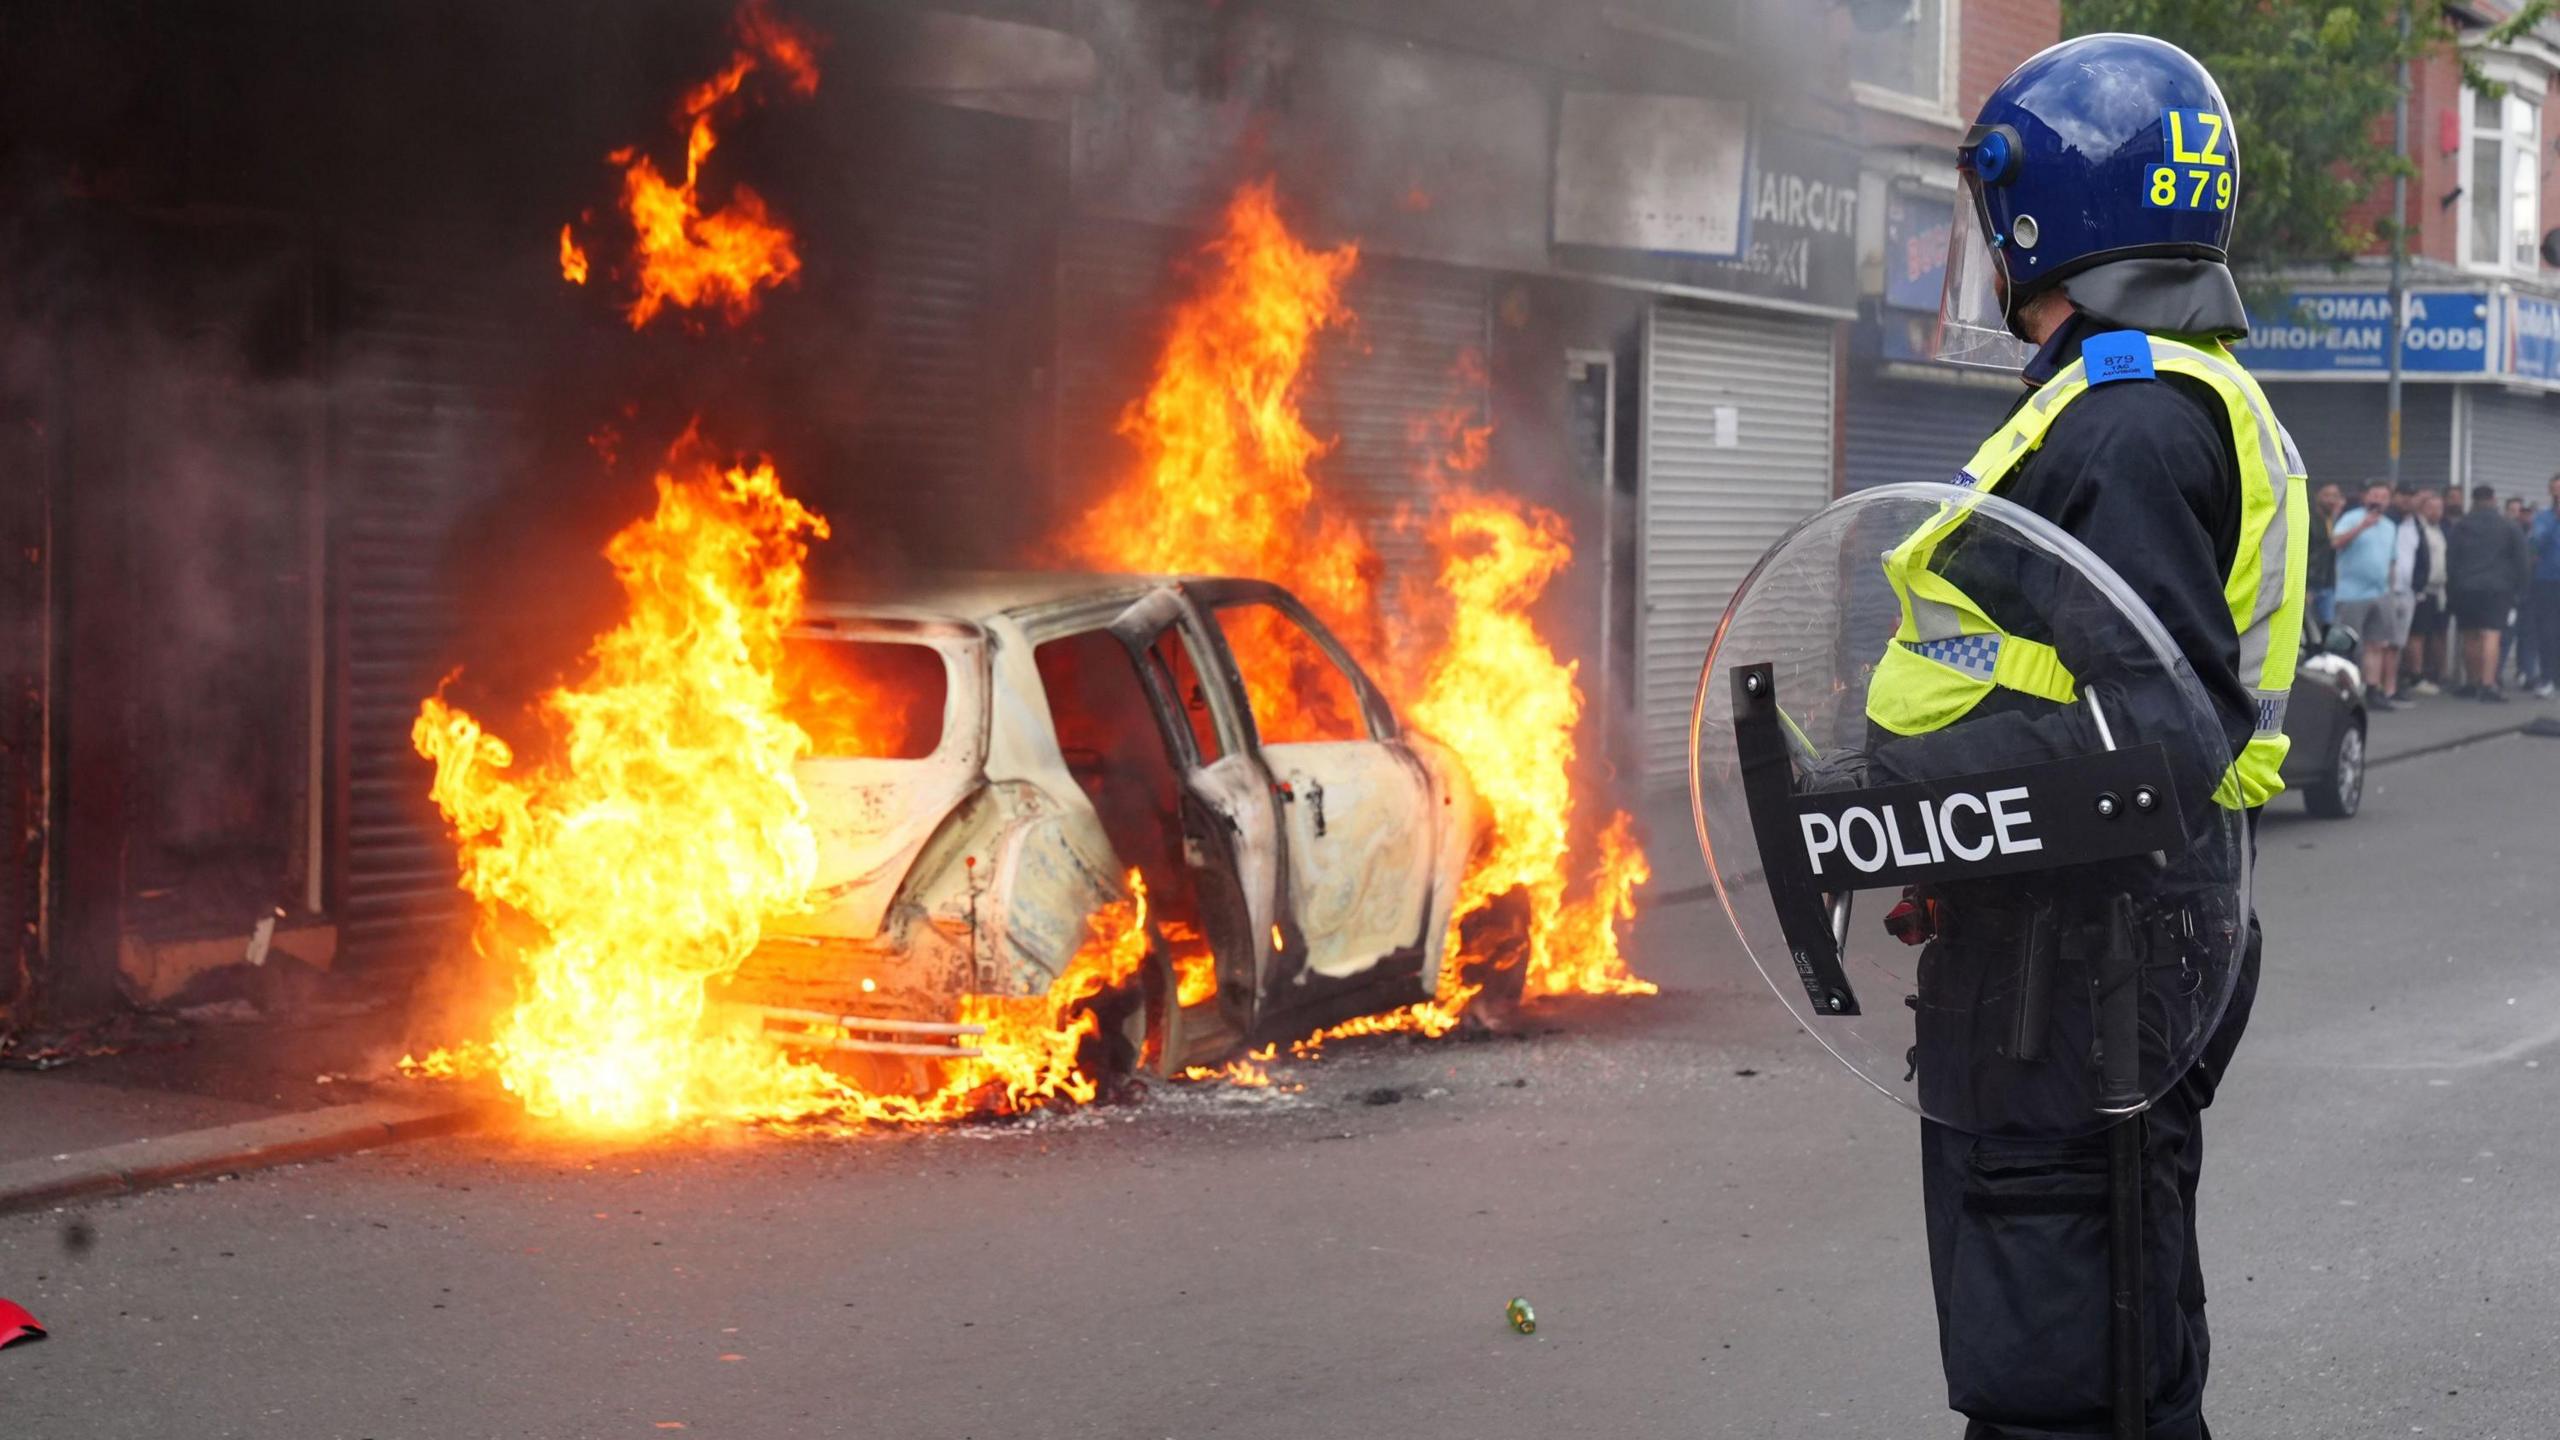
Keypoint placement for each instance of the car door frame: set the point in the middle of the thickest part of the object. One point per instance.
(1228, 820)
(1295, 1000)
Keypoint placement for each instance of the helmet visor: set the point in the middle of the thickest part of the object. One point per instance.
(1973, 318)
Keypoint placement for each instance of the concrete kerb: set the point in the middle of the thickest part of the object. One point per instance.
(2437, 747)
(223, 1150)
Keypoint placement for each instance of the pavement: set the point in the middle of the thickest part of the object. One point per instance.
(1718, 1227)
(2434, 722)
(171, 1101)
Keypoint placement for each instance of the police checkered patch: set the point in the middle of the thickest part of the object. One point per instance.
(1973, 654)
(2271, 714)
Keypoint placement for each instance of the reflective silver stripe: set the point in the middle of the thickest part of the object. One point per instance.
(1936, 620)
(2270, 449)
(2276, 453)
(2063, 379)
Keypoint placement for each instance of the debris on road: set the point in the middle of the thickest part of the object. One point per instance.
(17, 1326)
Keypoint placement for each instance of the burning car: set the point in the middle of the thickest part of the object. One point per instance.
(993, 753)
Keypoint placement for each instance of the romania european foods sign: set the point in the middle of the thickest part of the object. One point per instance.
(2323, 332)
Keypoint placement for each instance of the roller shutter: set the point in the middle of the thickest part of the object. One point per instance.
(26, 551)
(1896, 429)
(2513, 441)
(952, 261)
(2344, 434)
(1416, 355)
(433, 407)
(1372, 388)
(1736, 447)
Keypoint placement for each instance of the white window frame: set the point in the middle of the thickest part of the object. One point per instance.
(1942, 109)
(2527, 78)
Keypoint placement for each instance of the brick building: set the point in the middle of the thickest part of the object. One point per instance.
(2481, 348)
(1918, 83)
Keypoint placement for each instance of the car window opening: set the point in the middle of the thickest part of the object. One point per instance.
(1298, 693)
(865, 699)
(1171, 657)
(1108, 735)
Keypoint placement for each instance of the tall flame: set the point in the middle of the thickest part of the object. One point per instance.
(1226, 481)
(1495, 693)
(644, 855)
(681, 255)
(1223, 483)
(573, 259)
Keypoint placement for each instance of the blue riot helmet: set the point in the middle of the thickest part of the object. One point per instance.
(2107, 166)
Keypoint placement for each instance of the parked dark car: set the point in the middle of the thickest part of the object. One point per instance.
(2326, 719)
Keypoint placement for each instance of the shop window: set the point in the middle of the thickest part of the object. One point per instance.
(2503, 181)
(1899, 54)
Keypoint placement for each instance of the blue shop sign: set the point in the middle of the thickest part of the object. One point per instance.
(2325, 332)
(2533, 337)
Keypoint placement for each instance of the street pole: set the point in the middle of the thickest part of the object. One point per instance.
(2399, 239)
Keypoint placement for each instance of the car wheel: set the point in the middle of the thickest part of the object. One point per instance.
(2338, 793)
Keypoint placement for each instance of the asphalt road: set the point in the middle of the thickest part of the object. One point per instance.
(1718, 1227)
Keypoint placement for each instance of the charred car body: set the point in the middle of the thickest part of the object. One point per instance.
(995, 753)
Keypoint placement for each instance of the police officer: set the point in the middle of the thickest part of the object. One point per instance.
(2101, 179)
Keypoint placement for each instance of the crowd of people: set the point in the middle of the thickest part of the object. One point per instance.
(2446, 598)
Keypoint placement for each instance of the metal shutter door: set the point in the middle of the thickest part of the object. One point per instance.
(437, 407)
(1116, 284)
(2514, 442)
(1893, 430)
(2344, 432)
(1415, 351)
(27, 456)
(940, 409)
(1707, 513)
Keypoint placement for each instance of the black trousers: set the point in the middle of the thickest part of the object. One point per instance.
(2018, 1259)
(2543, 598)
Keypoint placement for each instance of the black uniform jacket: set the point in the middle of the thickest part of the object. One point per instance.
(2144, 473)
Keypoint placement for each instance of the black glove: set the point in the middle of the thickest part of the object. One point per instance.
(1832, 770)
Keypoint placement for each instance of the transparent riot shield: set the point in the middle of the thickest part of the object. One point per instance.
(1957, 790)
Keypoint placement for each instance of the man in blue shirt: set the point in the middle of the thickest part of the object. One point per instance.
(2372, 599)
(2544, 598)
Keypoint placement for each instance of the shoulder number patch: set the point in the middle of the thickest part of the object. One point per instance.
(2116, 355)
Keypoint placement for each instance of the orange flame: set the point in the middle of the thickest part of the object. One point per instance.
(681, 255)
(573, 260)
(1226, 482)
(1495, 693)
(1195, 978)
(1250, 1072)
(1222, 483)
(643, 857)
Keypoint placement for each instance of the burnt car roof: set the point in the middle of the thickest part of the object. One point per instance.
(976, 595)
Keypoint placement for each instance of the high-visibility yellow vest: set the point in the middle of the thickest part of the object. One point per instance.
(1948, 653)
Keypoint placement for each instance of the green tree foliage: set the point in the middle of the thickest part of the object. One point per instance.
(2311, 85)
